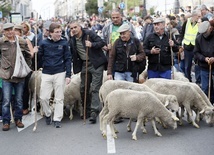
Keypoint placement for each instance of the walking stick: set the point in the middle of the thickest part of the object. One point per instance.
(172, 68)
(210, 78)
(86, 81)
(35, 104)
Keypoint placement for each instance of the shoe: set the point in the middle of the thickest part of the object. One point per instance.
(57, 124)
(6, 127)
(0, 118)
(19, 124)
(25, 111)
(48, 120)
(93, 118)
(118, 120)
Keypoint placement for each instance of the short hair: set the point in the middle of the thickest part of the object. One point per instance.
(196, 12)
(54, 26)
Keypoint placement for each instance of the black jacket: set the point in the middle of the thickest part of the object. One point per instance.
(162, 61)
(204, 47)
(95, 53)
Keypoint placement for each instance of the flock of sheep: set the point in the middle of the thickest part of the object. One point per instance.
(154, 100)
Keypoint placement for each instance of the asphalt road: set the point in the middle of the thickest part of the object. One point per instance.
(75, 138)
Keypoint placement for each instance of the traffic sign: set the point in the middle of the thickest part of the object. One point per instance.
(1, 15)
(122, 5)
(100, 9)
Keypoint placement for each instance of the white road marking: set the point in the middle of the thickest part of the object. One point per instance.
(110, 141)
(29, 119)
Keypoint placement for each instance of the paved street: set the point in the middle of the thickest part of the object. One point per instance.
(75, 138)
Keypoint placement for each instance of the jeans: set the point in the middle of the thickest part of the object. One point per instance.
(7, 88)
(158, 74)
(197, 74)
(188, 57)
(179, 66)
(123, 76)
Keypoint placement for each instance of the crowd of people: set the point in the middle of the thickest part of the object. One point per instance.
(120, 45)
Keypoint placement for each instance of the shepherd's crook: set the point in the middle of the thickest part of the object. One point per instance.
(86, 81)
(35, 105)
(210, 78)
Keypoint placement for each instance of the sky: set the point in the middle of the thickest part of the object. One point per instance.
(45, 8)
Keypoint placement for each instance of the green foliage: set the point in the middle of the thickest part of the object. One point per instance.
(5, 7)
(152, 10)
(91, 7)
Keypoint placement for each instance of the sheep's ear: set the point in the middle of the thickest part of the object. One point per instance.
(202, 111)
(166, 103)
(175, 118)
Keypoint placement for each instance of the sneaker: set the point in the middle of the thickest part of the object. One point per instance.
(6, 127)
(93, 118)
(48, 120)
(0, 118)
(57, 124)
(19, 124)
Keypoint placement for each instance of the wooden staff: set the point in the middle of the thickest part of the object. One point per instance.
(172, 68)
(86, 81)
(35, 81)
(210, 78)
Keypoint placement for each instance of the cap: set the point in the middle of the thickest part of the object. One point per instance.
(7, 26)
(203, 7)
(123, 28)
(20, 27)
(147, 17)
(159, 20)
(203, 27)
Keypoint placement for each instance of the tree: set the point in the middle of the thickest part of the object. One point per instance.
(5, 7)
(91, 7)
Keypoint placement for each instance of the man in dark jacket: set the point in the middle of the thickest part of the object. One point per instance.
(81, 40)
(56, 63)
(157, 47)
(204, 53)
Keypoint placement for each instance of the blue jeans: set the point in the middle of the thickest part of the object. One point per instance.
(197, 74)
(123, 76)
(7, 88)
(158, 74)
(179, 66)
(188, 57)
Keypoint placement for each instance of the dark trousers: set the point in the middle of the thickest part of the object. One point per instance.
(26, 92)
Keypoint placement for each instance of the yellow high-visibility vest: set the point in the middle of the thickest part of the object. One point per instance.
(190, 33)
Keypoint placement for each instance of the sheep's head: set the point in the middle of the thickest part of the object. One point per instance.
(171, 103)
(208, 113)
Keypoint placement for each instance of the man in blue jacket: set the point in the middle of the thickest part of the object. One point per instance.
(96, 62)
(55, 59)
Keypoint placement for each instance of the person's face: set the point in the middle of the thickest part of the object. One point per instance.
(116, 18)
(75, 29)
(25, 28)
(208, 32)
(196, 17)
(9, 33)
(159, 27)
(45, 32)
(17, 32)
(56, 35)
(125, 36)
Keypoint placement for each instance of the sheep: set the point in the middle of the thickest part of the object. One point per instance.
(72, 95)
(31, 88)
(187, 96)
(170, 101)
(135, 104)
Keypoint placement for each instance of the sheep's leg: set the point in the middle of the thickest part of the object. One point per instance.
(112, 127)
(102, 114)
(104, 133)
(134, 134)
(80, 108)
(129, 125)
(191, 116)
(197, 118)
(181, 115)
(71, 113)
(155, 129)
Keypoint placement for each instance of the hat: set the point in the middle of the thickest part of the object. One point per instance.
(203, 27)
(123, 28)
(203, 7)
(7, 26)
(159, 20)
(20, 27)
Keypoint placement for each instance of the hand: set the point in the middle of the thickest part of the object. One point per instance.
(155, 50)
(210, 60)
(88, 43)
(133, 57)
(109, 46)
(105, 48)
(35, 49)
(171, 42)
(67, 80)
(110, 77)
